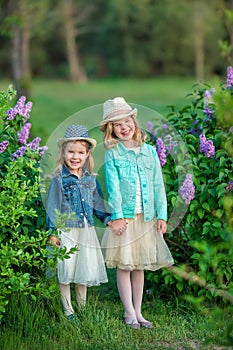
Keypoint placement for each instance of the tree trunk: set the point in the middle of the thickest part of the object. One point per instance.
(26, 52)
(16, 63)
(199, 41)
(19, 55)
(77, 73)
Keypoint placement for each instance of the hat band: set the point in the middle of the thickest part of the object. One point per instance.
(117, 112)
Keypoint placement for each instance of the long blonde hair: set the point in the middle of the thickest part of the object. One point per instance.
(111, 140)
(61, 155)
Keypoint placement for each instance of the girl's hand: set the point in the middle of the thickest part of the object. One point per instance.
(53, 240)
(118, 226)
(161, 226)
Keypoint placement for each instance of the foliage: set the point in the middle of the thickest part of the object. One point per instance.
(23, 237)
(147, 46)
(202, 242)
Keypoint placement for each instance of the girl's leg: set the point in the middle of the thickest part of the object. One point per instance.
(66, 299)
(81, 293)
(137, 280)
(125, 292)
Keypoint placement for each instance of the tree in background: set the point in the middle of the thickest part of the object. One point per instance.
(23, 16)
(226, 45)
(75, 15)
(137, 38)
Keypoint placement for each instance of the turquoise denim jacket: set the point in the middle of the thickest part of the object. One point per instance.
(121, 168)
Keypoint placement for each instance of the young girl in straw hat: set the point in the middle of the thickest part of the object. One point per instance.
(75, 190)
(138, 206)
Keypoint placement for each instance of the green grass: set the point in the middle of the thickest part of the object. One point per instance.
(56, 100)
(41, 325)
(57, 103)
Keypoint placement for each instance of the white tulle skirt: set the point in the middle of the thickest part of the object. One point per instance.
(85, 266)
(141, 247)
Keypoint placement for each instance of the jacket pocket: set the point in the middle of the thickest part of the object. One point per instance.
(123, 168)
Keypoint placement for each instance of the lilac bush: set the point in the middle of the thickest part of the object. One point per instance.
(23, 237)
(202, 239)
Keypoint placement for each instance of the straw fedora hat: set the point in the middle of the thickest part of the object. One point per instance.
(117, 109)
(76, 133)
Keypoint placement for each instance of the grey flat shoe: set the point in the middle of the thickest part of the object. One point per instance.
(146, 324)
(131, 324)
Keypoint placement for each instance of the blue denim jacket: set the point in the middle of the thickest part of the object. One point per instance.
(121, 168)
(69, 194)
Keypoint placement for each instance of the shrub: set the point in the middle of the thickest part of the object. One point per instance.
(23, 236)
(199, 175)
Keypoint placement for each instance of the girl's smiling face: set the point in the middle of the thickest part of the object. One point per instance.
(124, 129)
(75, 156)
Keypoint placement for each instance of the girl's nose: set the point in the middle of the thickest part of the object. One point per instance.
(123, 125)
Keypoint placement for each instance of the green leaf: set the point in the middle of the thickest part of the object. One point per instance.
(200, 213)
(206, 206)
(217, 224)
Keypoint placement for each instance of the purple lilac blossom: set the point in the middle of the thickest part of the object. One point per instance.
(208, 102)
(23, 135)
(165, 126)
(170, 144)
(11, 113)
(149, 126)
(196, 129)
(34, 144)
(230, 186)
(161, 151)
(229, 82)
(207, 147)
(231, 130)
(26, 110)
(187, 189)
(20, 108)
(42, 150)
(19, 153)
(3, 145)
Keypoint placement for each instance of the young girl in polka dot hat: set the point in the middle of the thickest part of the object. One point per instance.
(75, 190)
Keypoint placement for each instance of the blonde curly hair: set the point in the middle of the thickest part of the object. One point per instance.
(111, 140)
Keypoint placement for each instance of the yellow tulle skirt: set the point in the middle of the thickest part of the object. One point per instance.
(141, 247)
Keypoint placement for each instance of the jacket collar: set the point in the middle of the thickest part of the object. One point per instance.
(122, 149)
(66, 172)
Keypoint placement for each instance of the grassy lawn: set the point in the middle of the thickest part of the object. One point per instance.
(41, 325)
(55, 101)
(58, 103)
